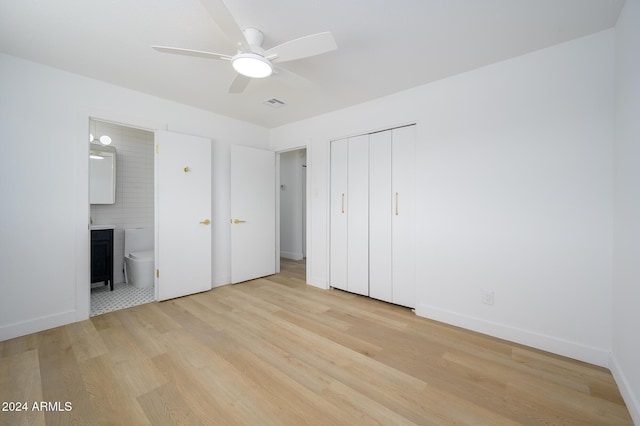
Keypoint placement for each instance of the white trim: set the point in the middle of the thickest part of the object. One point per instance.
(597, 356)
(82, 210)
(37, 324)
(220, 281)
(630, 399)
(276, 191)
(291, 255)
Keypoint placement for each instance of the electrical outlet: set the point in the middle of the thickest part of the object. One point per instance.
(487, 297)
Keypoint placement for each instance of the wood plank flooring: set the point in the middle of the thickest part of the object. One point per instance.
(276, 351)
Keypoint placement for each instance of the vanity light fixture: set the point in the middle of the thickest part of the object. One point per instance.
(104, 139)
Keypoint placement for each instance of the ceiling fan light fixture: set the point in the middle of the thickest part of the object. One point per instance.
(252, 65)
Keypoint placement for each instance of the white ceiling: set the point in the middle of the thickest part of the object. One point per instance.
(384, 46)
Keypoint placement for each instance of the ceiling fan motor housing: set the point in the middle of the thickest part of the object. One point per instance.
(255, 38)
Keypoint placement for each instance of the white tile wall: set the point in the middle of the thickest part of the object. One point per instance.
(134, 186)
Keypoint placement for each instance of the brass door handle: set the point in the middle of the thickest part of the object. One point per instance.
(205, 222)
(236, 221)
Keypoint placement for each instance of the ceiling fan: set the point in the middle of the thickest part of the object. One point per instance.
(251, 60)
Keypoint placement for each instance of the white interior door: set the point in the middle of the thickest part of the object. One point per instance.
(253, 213)
(339, 208)
(183, 214)
(404, 217)
(358, 215)
(380, 217)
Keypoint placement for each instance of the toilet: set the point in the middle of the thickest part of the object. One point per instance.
(138, 257)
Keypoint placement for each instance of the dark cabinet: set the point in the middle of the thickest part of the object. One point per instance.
(102, 256)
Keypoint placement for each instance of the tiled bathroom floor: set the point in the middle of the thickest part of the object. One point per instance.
(123, 296)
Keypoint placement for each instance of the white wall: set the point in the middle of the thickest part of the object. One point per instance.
(291, 181)
(515, 187)
(515, 176)
(44, 240)
(626, 282)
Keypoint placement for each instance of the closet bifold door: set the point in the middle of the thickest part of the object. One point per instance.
(380, 216)
(403, 216)
(338, 217)
(358, 215)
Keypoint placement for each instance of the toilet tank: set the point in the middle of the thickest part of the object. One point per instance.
(138, 239)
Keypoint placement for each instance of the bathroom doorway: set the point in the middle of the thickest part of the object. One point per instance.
(293, 214)
(133, 207)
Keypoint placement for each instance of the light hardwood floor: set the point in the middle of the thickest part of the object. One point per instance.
(276, 351)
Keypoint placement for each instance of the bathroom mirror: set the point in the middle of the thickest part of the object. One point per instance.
(102, 174)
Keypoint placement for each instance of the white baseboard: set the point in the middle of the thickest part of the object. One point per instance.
(630, 398)
(37, 324)
(220, 281)
(292, 256)
(552, 344)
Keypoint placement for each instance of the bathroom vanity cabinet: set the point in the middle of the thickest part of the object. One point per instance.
(102, 256)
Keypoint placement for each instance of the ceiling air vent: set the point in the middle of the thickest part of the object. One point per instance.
(274, 103)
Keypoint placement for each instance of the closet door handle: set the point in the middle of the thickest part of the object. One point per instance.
(396, 204)
(343, 202)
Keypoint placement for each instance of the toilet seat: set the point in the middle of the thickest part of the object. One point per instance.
(142, 255)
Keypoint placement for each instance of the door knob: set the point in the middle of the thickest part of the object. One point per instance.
(205, 222)
(236, 221)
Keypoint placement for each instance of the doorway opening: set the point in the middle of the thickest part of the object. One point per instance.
(132, 207)
(293, 213)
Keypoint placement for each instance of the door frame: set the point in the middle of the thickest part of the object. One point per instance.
(306, 211)
(83, 270)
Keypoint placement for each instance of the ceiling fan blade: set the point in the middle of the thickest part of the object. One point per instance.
(302, 47)
(190, 52)
(239, 83)
(291, 78)
(227, 23)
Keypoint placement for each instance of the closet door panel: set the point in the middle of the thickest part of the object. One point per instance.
(358, 215)
(380, 216)
(404, 218)
(338, 216)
